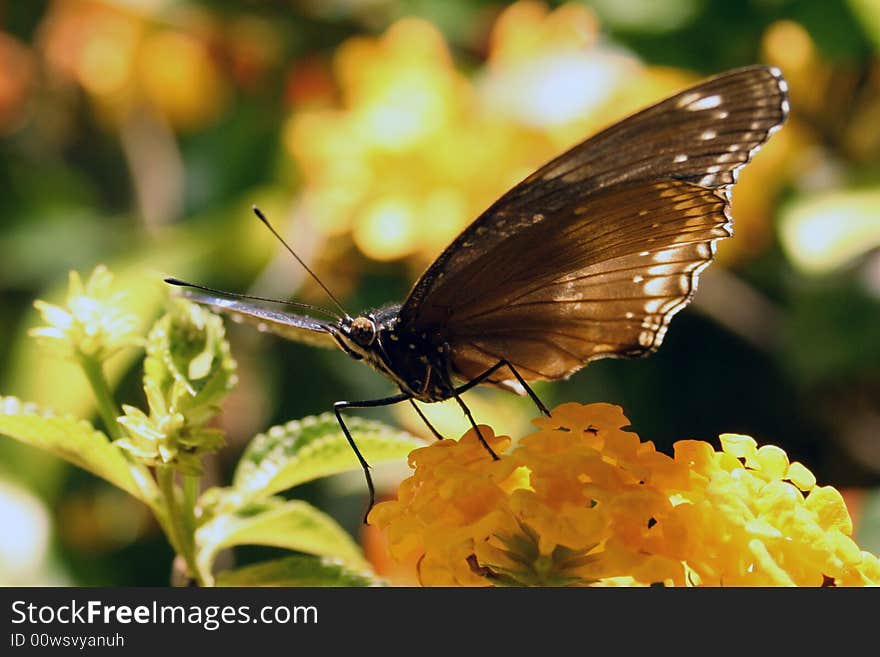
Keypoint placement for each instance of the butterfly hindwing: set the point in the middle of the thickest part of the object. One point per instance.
(593, 254)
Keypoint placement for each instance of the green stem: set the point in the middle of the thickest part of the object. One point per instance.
(190, 495)
(103, 396)
(109, 412)
(181, 539)
(165, 477)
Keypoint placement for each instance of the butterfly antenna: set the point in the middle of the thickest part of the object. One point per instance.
(265, 221)
(308, 306)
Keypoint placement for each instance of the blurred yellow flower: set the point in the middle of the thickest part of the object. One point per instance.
(178, 77)
(548, 71)
(584, 502)
(415, 149)
(390, 164)
(93, 323)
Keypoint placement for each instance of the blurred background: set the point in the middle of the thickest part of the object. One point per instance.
(137, 133)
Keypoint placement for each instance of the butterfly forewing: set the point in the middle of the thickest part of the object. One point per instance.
(594, 253)
(703, 134)
(292, 326)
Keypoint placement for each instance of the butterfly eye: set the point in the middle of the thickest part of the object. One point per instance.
(363, 331)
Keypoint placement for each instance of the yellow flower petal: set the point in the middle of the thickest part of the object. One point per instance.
(738, 445)
(767, 565)
(830, 509)
(772, 461)
(800, 476)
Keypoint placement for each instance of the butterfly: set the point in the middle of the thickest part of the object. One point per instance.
(589, 257)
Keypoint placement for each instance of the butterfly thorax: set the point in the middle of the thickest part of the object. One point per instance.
(416, 362)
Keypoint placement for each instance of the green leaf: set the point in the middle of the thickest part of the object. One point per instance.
(866, 12)
(76, 441)
(290, 524)
(297, 570)
(314, 447)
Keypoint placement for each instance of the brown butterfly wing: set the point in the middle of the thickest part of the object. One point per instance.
(615, 296)
(593, 254)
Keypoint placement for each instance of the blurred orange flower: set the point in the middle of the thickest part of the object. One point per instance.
(584, 502)
(125, 58)
(17, 82)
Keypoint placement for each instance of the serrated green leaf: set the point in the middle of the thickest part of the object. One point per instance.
(291, 524)
(76, 441)
(297, 570)
(314, 447)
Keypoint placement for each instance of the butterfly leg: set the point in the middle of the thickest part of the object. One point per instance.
(425, 420)
(497, 366)
(337, 408)
(470, 417)
(447, 379)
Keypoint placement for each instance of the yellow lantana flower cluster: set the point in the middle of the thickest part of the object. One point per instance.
(584, 502)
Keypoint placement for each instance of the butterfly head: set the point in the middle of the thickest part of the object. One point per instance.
(410, 359)
(357, 336)
(362, 330)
